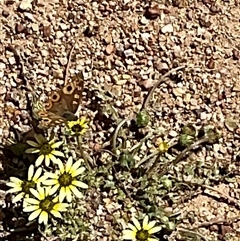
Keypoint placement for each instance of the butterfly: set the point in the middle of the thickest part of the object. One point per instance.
(62, 105)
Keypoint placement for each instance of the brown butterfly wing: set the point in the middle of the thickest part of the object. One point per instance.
(49, 119)
(66, 100)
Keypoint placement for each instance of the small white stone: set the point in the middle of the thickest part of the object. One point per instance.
(35, 27)
(63, 26)
(173, 133)
(59, 34)
(25, 5)
(2, 66)
(3, 90)
(203, 116)
(29, 16)
(145, 36)
(218, 75)
(140, 48)
(144, 20)
(12, 60)
(44, 53)
(178, 91)
(167, 28)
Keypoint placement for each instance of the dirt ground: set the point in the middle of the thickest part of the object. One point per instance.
(123, 48)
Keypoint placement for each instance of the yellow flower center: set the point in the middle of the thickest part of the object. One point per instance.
(47, 204)
(77, 128)
(46, 149)
(26, 185)
(142, 235)
(65, 180)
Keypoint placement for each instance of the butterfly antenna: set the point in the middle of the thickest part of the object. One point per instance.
(68, 65)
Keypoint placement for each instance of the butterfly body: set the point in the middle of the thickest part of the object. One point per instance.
(62, 105)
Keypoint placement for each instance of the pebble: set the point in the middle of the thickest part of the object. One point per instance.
(140, 48)
(25, 5)
(173, 133)
(46, 31)
(128, 53)
(167, 28)
(59, 34)
(109, 49)
(44, 53)
(63, 26)
(12, 60)
(29, 16)
(145, 36)
(178, 91)
(231, 124)
(35, 27)
(63, 61)
(119, 81)
(203, 116)
(144, 21)
(236, 87)
(19, 28)
(3, 90)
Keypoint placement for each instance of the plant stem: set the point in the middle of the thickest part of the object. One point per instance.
(87, 159)
(161, 80)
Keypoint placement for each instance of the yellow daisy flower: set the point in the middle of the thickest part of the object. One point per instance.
(78, 127)
(45, 149)
(23, 186)
(66, 181)
(43, 205)
(141, 233)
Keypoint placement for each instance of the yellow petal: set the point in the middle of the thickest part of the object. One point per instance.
(40, 138)
(33, 215)
(150, 225)
(78, 172)
(15, 189)
(79, 184)
(18, 197)
(62, 194)
(35, 193)
(132, 227)
(51, 182)
(69, 164)
(60, 207)
(15, 185)
(145, 222)
(43, 218)
(31, 208)
(39, 160)
(54, 189)
(154, 230)
(61, 167)
(56, 214)
(75, 167)
(57, 153)
(136, 223)
(51, 175)
(33, 143)
(30, 172)
(152, 239)
(47, 160)
(32, 151)
(37, 174)
(16, 180)
(32, 201)
(129, 234)
(57, 144)
(68, 194)
(76, 192)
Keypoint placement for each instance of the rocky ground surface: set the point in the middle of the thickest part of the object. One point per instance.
(123, 48)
